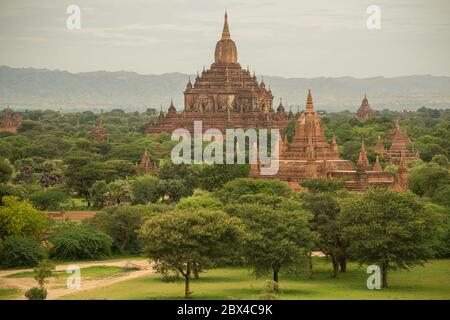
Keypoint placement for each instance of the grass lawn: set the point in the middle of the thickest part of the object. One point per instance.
(8, 293)
(89, 273)
(429, 282)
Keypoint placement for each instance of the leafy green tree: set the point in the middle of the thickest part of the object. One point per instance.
(212, 177)
(71, 241)
(276, 238)
(97, 194)
(325, 210)
(174, 189)
(18, 251)
(6, 170)
(26, 168)
(167, 170)
(49, 199)
(178, 240)
(146, 189)
(234, 189)
(122, 225)
(19, 217)
(391, 229)
(197, 201)
(43, 271)
(441, 160)
(118, 192)
(322, 185)
(52, 173)
(12, 190)
(82, 173)
(424, 180)
(122, 168)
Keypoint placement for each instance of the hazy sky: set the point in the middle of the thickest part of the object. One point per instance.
(291, 38)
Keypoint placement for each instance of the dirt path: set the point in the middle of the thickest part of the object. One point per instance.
(56, 290)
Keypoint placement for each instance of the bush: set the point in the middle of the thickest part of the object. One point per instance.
(6, 170)
(20, 218)
(146, 189)
(36, 293)
(20, 252)
(80, 242)
(233, 190)
(49, 199)
(122, 224)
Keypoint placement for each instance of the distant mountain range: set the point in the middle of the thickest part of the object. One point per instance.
(53, 89)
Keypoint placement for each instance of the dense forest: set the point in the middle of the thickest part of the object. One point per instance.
(58, 165)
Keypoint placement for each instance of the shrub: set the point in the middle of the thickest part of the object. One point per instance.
(201, 201)
(80, 242)
(49, 199)
(6, 170)
(122, 224)
(36, 293)
(20, 218)
(145, 189)
(20, 252)
(233, 190)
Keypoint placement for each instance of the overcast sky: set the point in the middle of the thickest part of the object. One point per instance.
(290, 38)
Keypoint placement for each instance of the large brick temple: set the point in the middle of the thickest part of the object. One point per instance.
(224, 96)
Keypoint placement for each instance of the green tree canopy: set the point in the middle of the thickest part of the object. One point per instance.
(20, 218)
(179, 240)
(276, 237)
(233, 190)
(391, 229)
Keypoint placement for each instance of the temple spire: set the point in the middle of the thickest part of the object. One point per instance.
(377, 166)
(309, 102)
(362, 160)
(226, 29)
(379, 148)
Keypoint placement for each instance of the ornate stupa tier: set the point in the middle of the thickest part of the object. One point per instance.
(309, 140)
(226, 51)
(227, 86)
(400, 143)
(365, 111)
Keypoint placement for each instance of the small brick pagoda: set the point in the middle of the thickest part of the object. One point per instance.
(99, 132)
(146, 165)
(365, 111)
(10, 121)
(400, 143)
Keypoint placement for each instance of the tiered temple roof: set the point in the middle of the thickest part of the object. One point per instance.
(224, 96)
(400, 142)
(363, 161)
(146, 165)
(309, 155)
(365, 111)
